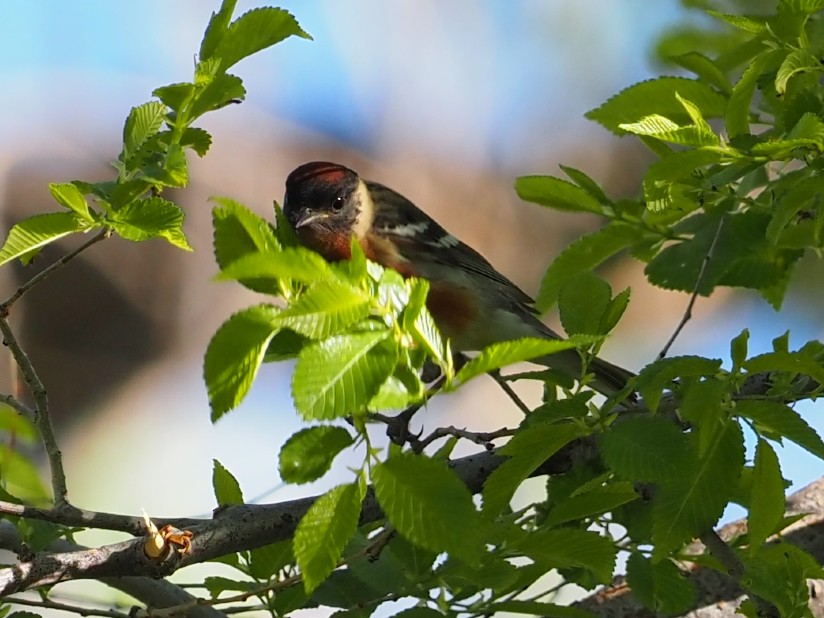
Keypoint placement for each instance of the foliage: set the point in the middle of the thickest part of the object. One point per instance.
(733, 199)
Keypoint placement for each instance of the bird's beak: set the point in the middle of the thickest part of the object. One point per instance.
(306, 216)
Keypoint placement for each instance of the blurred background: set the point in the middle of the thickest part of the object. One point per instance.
(447, 102)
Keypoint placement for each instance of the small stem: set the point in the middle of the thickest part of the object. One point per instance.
(501, 381)
(28, 285)
(688, 312)
(42, 417)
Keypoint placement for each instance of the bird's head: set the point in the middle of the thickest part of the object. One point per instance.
(326, 204)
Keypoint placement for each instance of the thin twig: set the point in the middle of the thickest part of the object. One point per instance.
(42, 417)
(501, 381)
(74, 609)
(483, 438)
(28, 285)
(694, 296)
(16, 404)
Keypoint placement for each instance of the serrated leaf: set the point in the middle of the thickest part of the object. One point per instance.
(747, 24)
(309, 453)
(197, 139)
(737, 116)
(797, 61)
(602, 499)
(67, 194)
(151, 218)
(418, 322)
(646, 449)
(766, 497)
(692, 503)
(253, 31)
(326, 308)
(227, 489)
(220, 91)
(267, 560)
(559, 548)
(297, 263)
(781, 420)
(216, 29)
(790, 362)
(429, 505)
(660, 127)
(234, 356)
(582, 303)
(340, 375)
(790, 203)
(583, 255)
(556, 193)
(142, 123)
(506, 353)
(660, 586)
(29, 236)
(527, 450)
(174, 95)
(323, 532)
(705, 68)
(657, 376)
(171, 170)
(238, 232)
(657, 96)
(738, 350)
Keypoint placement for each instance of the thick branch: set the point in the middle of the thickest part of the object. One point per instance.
(236, 528)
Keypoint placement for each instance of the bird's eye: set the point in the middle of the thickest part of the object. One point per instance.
(338, 202)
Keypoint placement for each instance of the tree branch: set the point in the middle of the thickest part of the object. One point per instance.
(42, 416)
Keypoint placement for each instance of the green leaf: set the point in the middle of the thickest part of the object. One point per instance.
(340, 375)
(747, 24)
(660, 586)
(737, 117)
(326, 308)
(29, 236)
(216, 29)
(285, 345)
(418, 322)
(646, 449)
(800, 60)
(151, 218)
(660, 127)
(559, 548)
(309, 453)
(325, 529)
(506, 353)
(692, 503)
(587, 184)
(174, 96)
(234, 356)
(766, 498)
(20, 478)
(219, 92)
(705, 68)
(253, 31)
(429, 505)
(582, 303)
(601, 499)
(142, 123)
(18, 426)
(527, 450)
(781, 420)
(197, 139)
(583, 255)
(657, 96)
(67, 194)
(297, 263)
(738, 350)
(267, 560)
(227, 489)
(655, 377)
(556, 193)
(790, 362)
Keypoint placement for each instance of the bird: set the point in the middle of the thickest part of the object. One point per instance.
(473, 304)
